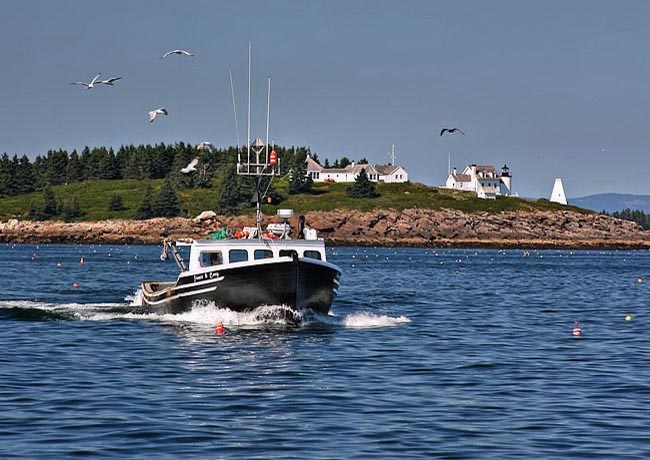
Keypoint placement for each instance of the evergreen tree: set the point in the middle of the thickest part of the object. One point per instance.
(167, 203)
(362, 187)
(299, 181)
(345, 161)
(25, 181)
(229, 199)
(71, 209)
(49, 202)
(74, 170)
(46, 208)
(145, 208)
(6, 173)
(57, 162)
(115, 203)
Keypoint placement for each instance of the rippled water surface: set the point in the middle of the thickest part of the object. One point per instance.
(427, 354)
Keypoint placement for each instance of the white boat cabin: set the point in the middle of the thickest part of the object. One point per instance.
(206, 254)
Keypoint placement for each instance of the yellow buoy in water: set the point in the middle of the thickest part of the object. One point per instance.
(628, 318)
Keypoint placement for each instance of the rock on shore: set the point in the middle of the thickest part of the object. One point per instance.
(411, 227)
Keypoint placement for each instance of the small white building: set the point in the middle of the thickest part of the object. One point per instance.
(376, 173)
(558, 195)
(485, 181)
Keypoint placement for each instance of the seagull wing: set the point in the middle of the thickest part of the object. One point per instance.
(111, 80)
(166, 54)
(460, 131)
(152, 116)
(442, 131)
(79, 83)
(193, 163)
(162, 110)
(184, 52)
(94, 80)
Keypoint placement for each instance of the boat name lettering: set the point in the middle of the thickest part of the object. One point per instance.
(205, 276)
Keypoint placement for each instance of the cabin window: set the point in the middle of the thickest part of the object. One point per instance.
(237, 255)
(263, 254)
(313, 255)
(209, 259)
(288, 253)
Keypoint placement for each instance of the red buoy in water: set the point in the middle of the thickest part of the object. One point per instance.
(219, 328)
(273, 158)
(576, 330)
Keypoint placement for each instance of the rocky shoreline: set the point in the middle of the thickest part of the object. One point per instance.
(411, 227)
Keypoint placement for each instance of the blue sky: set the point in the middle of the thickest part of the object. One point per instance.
(552, 88)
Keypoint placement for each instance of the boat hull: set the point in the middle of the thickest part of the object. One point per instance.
(297, 283)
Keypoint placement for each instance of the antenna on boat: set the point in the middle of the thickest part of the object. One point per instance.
(268, 111)
(263, 163)
(234, 109)
(248, 137)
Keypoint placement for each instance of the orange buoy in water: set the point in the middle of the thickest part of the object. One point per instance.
(273, 158)
(219, 328)
(576, 330)
(81, 261)
(75, 285)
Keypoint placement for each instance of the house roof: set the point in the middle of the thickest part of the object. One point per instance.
(357, 168)
(462, 177)
(386, 170)
(312, 165)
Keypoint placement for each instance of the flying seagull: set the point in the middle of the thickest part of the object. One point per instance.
(90, 85)
(179, 52)
(450, 131)
(190, 167)
(205, 145)
(110, 81)
(154, 113)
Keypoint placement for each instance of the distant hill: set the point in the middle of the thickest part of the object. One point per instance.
(611, 202)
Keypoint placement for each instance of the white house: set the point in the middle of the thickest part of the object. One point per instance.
(485, 181)
(376, 173)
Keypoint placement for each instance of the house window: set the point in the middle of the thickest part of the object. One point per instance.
(237, 255)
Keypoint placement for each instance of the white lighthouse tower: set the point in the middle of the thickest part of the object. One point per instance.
(558, 195)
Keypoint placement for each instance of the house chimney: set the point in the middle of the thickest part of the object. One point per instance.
(455, 172)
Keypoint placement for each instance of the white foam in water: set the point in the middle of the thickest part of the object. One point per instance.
(368, 320)
(206, 313)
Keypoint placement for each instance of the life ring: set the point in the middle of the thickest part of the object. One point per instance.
(270, 236)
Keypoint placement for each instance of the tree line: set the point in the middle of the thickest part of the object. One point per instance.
(20, 175)
(634, 215)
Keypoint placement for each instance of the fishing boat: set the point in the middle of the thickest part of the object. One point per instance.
(251, 267)
(245, 273)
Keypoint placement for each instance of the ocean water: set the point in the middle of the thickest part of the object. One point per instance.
(427, 354)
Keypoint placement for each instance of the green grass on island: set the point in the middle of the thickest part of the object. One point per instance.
(94, 197)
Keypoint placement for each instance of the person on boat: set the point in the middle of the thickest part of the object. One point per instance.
(216, 259)
(301, 227)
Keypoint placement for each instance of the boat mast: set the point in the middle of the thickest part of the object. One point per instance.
(265, 167)
(248, 137)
